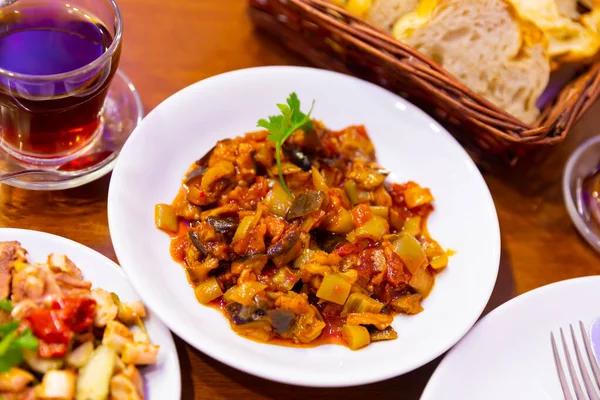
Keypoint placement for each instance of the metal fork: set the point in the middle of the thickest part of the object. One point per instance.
(590, 388)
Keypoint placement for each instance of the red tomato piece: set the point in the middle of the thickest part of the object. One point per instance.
(361, 214)
(345, 250)
(47, 326)
(396, 272)
(76, 312)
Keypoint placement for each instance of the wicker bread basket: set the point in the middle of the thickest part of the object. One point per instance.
(331, 38)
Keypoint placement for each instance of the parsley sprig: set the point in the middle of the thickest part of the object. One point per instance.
(13, 342)
(281, 127)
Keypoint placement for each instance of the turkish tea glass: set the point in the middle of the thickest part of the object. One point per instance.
(57, 61)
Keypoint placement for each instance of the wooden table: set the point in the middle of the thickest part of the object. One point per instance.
(171, 44)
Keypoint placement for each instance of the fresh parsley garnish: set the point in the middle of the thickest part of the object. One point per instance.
(8, 328)
(13, 343)
(26, 340)
(6, 305)
(282, 126)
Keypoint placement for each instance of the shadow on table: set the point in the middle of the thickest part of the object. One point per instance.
(187, 385)
(504, 290)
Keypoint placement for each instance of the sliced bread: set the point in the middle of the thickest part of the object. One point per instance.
(485, 45)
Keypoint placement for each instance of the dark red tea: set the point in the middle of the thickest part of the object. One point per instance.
(51, 118)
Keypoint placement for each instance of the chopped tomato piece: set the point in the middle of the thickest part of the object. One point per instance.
(361, 214)
(345, 250)
(76, 312)
(47, 326)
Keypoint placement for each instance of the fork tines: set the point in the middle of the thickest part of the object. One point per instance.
(579, 370)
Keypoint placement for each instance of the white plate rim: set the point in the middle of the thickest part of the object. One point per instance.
(15, 233)
(182, 332)
(428, 392)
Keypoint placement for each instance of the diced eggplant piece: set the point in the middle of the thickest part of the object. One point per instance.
(260, 330)
(222, 171)
(287, 248)
(254, 262)
(298, 287)
(284, 244)
(226, 226)
(241, 314)
(329, 241)
(203, 161)
(305, 203)
(197, 173)
(309, 325)
(195, 239)
(198, 271)
(387, 334)
(297, 157)
(281, 320)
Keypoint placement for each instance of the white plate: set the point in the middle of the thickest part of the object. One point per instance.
(163, 380)
(408, 142)
(508, 355)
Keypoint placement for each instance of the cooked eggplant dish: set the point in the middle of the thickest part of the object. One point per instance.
(299, 237)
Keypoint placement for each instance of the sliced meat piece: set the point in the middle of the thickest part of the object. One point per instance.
(35, 283)
(73, 286)
(73, 281)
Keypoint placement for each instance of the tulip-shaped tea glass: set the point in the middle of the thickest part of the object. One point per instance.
(61, 96)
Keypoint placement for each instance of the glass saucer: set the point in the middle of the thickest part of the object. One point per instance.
(122, 112)
(582, 163)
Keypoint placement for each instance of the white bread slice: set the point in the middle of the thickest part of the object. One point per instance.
(486, 46)
(384, 13)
